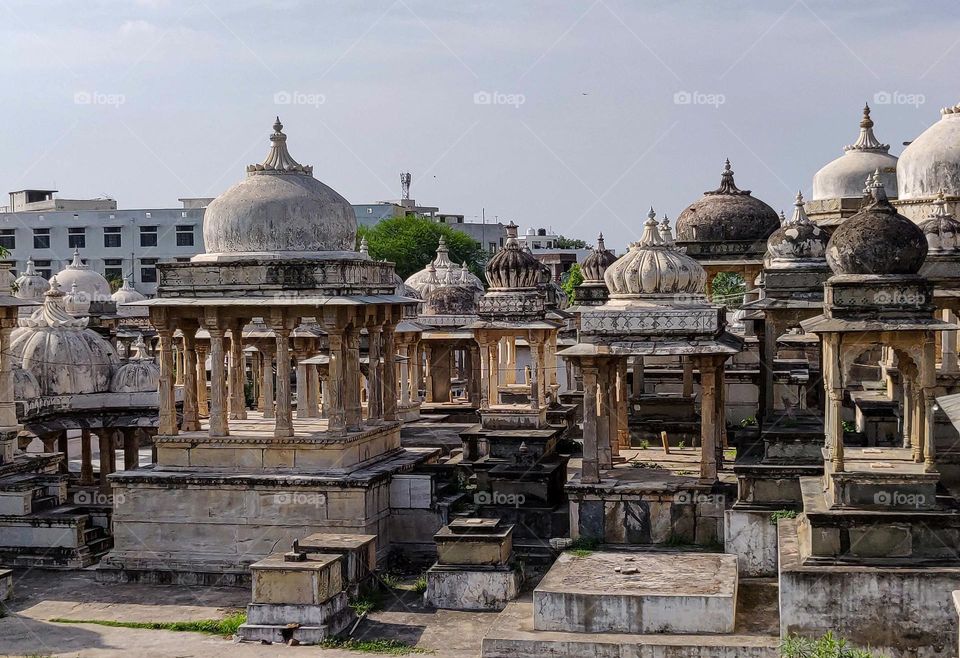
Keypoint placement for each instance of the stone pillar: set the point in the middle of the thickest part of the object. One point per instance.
(708, 421)
(493, 393)
(948, 346)
(928, 382)
(833, 383)
(687, 376)
(238, 405)
(86, 458)
(203, 409)
(604, 456)
(313, 391)
(168, 410)
(375, 394)
(613, 409)
(404, 375)
(623, 431)
(178, 364)
(8, 407)
(131, 436)
(428, 373)
(191, 419)
(484, 375)
(283, 423)
(390, 373)
(106, 448)
(302, 384)
(415, 371)
(509, 360)
(351, 380)
(218, 385)
(536, 370)
(335, 407)
(324, 397)
(907, 413)
(268, 407)
(63, 446)
(474, 381)
(590, 471)
(636, 385)
(256, 365)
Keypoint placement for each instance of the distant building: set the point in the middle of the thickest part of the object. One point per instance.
(113, 242)
(543, 245)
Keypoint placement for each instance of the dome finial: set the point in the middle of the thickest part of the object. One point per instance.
(364, 247)
(799, 214)
(867, 141)
(279, 160)
(941, 205)
(600, 245)
(727, 186)
(666, 233)
(651, 232)
(77, 262)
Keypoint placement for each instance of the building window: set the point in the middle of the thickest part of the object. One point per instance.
(112, 236)
(183, 259)
(41, 239)
(184, 235)
(113, 269)
(42, 267)
(8, 238)
(493, 247)
(148, 236)
(148, 270)
(77, 238)
(369, 211)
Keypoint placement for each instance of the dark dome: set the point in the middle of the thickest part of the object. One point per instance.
(451, 300)
(798, 238)
(877, 240)
(597, 261)
(726, 213)
(512, 267)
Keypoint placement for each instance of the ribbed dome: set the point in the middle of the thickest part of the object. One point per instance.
(843, 178)
(877, 240)
(63, 355)
(25, 386)
(932, 161)
(597, 262)
(451, 300)
(512, 268)
(798, 239)
(139, 374)
(126, 294)
(726, 213)
(441, 271)
(279, 210)
(31, 285)
(654, 267)
(942, 230)
(91, 286)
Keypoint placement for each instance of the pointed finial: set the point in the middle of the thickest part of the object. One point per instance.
(878, 192)
(279, 160)
(77, 262)
(651, 232)
(783, 218)
(727, 186)
(867, 141)
(54, 290)
(652, 215)
(364, 247)
(30, 270)
(600, 245)
(665, 231)
(799, 213)
(277, 126)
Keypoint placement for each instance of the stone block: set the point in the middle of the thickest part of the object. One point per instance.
(15, 503)
(886, 540)
(308, 582)
(358, 552)
(753, 539)
(471, 588)
(486, 543)
(278, 458)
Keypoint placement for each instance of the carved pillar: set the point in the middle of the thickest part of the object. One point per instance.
(687, 376)
(203, 409)
(509, 360)
(390, 373)
(256, 365)
(191, 419)
(268, 407)
(623, 431)
(415, 371)
(302, 383)
(168, 410)
(428, 373)
(637, 383)
(404, 375)
(238, 405)
(494, 374)
(536, 370)
(604, 456)
(63, 446)
(474, 380)
(218, 384)
(86, 458)
(178, 364)
(375, 394)
(928, 381)
(313, 390)
(613, 409)
(106, 447)
(8, 407)
(708, 420)
(907, 412)
(335, 407)
(131, 436)
(833, 383)
(351, 380)
(283, 423)
(590, 471)
(948, 345)
(484, 375)
(324, 397)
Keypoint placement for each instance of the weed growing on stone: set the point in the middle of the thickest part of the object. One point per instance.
(226, 626)
(828, 646)
(389, 647)
(782, 514)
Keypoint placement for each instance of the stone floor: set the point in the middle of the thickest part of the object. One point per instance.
(43, 595)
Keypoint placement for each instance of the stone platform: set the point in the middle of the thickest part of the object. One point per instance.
(641, 593)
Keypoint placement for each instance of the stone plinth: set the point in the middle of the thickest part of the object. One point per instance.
(513, 417)
(479, 542)
(358, 553)
(623, 592)
(312, 580)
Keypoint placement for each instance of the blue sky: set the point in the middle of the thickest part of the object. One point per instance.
(572, 115)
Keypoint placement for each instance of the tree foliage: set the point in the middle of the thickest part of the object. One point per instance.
(570, 243)
(411, 243)
(571, 279)
(728, 288)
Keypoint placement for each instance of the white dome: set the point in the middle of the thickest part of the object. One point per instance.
(139, 374)
(90, 284)
(279, 210)
(654, 267)
(76, 303)
(845, 176)
(63, 355)
(126, 294)
(441, 271)
(31, 285)
(932, 161)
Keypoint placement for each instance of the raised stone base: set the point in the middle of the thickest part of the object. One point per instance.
(513, 636)
(307, 624)
(471, 588)
(898, 612)
(626, 592)
(752, 537)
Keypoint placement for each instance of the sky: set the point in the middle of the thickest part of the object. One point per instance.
(575, 116)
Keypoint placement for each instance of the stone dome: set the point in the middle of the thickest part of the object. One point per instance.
(127, 294)
(76, 303)
(512, 268)
(932, 161)
(941, 230)
(31, 285)
(25, 386)
(91, 286)
(139, 374)
(279, 210)
(877, 240)
(441, 271)
(726, 213)
(798, 240)
(844, 177)
(597, 262)
(63, 355)
(451, 300)
(655, 267)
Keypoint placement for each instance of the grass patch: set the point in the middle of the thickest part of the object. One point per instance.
(583, 546)
(420, 585)
(225, 626)
(641, 464)
(730, 454)
(389, 580)
(828, 646)
(388, 647)
(782, 514)
(644, 444)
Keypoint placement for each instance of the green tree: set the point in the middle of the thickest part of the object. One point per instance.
(571, 279)
(411, 242)
(569, 243)
(728, 288)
